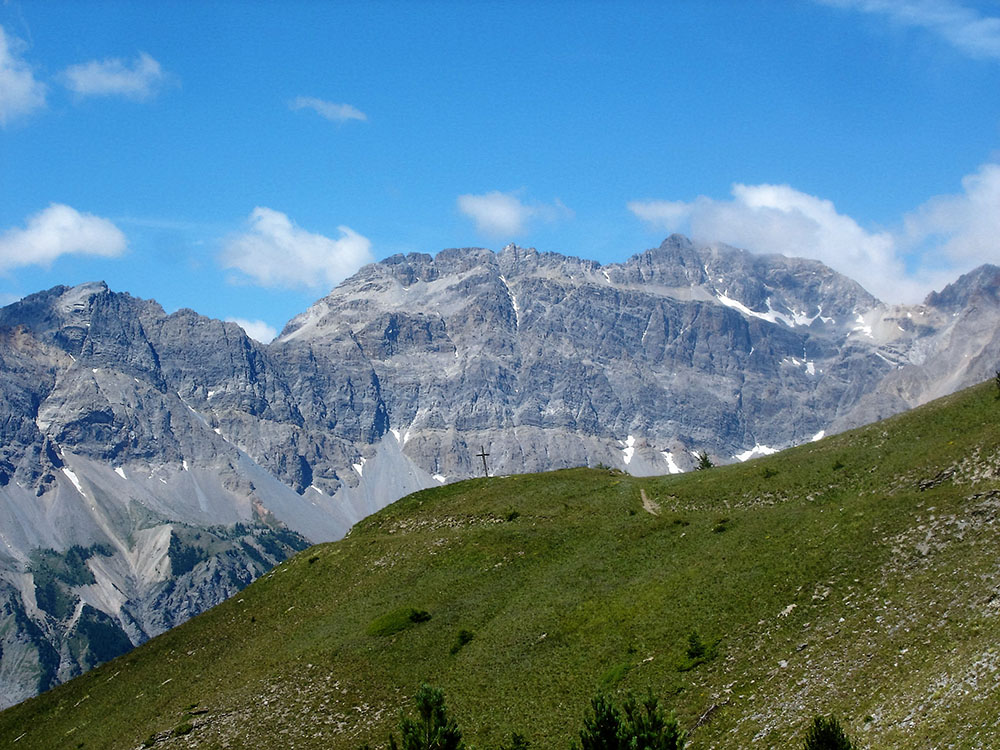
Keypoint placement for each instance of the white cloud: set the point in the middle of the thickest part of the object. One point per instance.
(946, 236)
(965, 28)
(503, 214)
(961, 229)
(59, 230)
(20, 93)
(116, 77)
(329, 110)
(258, 330)
(495, 213)
(276, 252)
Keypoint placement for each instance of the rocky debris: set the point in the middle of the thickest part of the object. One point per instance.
(942, 476)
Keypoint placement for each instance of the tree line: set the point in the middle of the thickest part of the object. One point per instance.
(634, 725)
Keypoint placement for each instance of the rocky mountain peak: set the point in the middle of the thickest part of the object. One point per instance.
(55, 308)
(981, 285)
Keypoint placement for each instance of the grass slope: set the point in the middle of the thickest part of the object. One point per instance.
(856, 576)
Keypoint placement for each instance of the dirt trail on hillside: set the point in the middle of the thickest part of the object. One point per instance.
(650, 506)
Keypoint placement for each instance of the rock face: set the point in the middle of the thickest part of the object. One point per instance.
(153, 464)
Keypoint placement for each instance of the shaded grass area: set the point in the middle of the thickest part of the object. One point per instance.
(855, 576)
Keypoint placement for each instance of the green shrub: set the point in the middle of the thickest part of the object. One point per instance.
(826, 734)
(419, 615)
(698, 651)
(696, 646)
(464, 638)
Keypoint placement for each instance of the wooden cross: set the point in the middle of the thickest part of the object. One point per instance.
(483, 454)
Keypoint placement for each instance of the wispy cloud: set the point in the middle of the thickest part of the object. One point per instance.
(59, 230)
(258, 330)
(943, 237)
(329, 110)
(139, 79)
(961, 229)
(968, 30)
(495, 213)
(498, 214)
(273, 251)
(20, 92)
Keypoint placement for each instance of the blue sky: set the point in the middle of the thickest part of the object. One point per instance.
(242, 158)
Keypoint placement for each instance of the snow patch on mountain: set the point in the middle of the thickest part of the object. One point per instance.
(74, 479)
(628, 450)
(757, 450)
(672, 466)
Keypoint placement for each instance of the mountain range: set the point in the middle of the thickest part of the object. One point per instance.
(153, 464)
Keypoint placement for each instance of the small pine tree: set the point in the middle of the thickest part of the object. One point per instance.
(996, 380)
(601, 726)
(696, 646)
(641, 726)
(704, 462)
(432, 730)
(644, 726)
(827, 734)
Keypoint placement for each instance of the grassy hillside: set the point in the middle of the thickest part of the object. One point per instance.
(856, 576)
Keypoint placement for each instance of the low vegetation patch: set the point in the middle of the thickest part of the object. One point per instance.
(397, 620)
(463, 639)
(721, 524)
